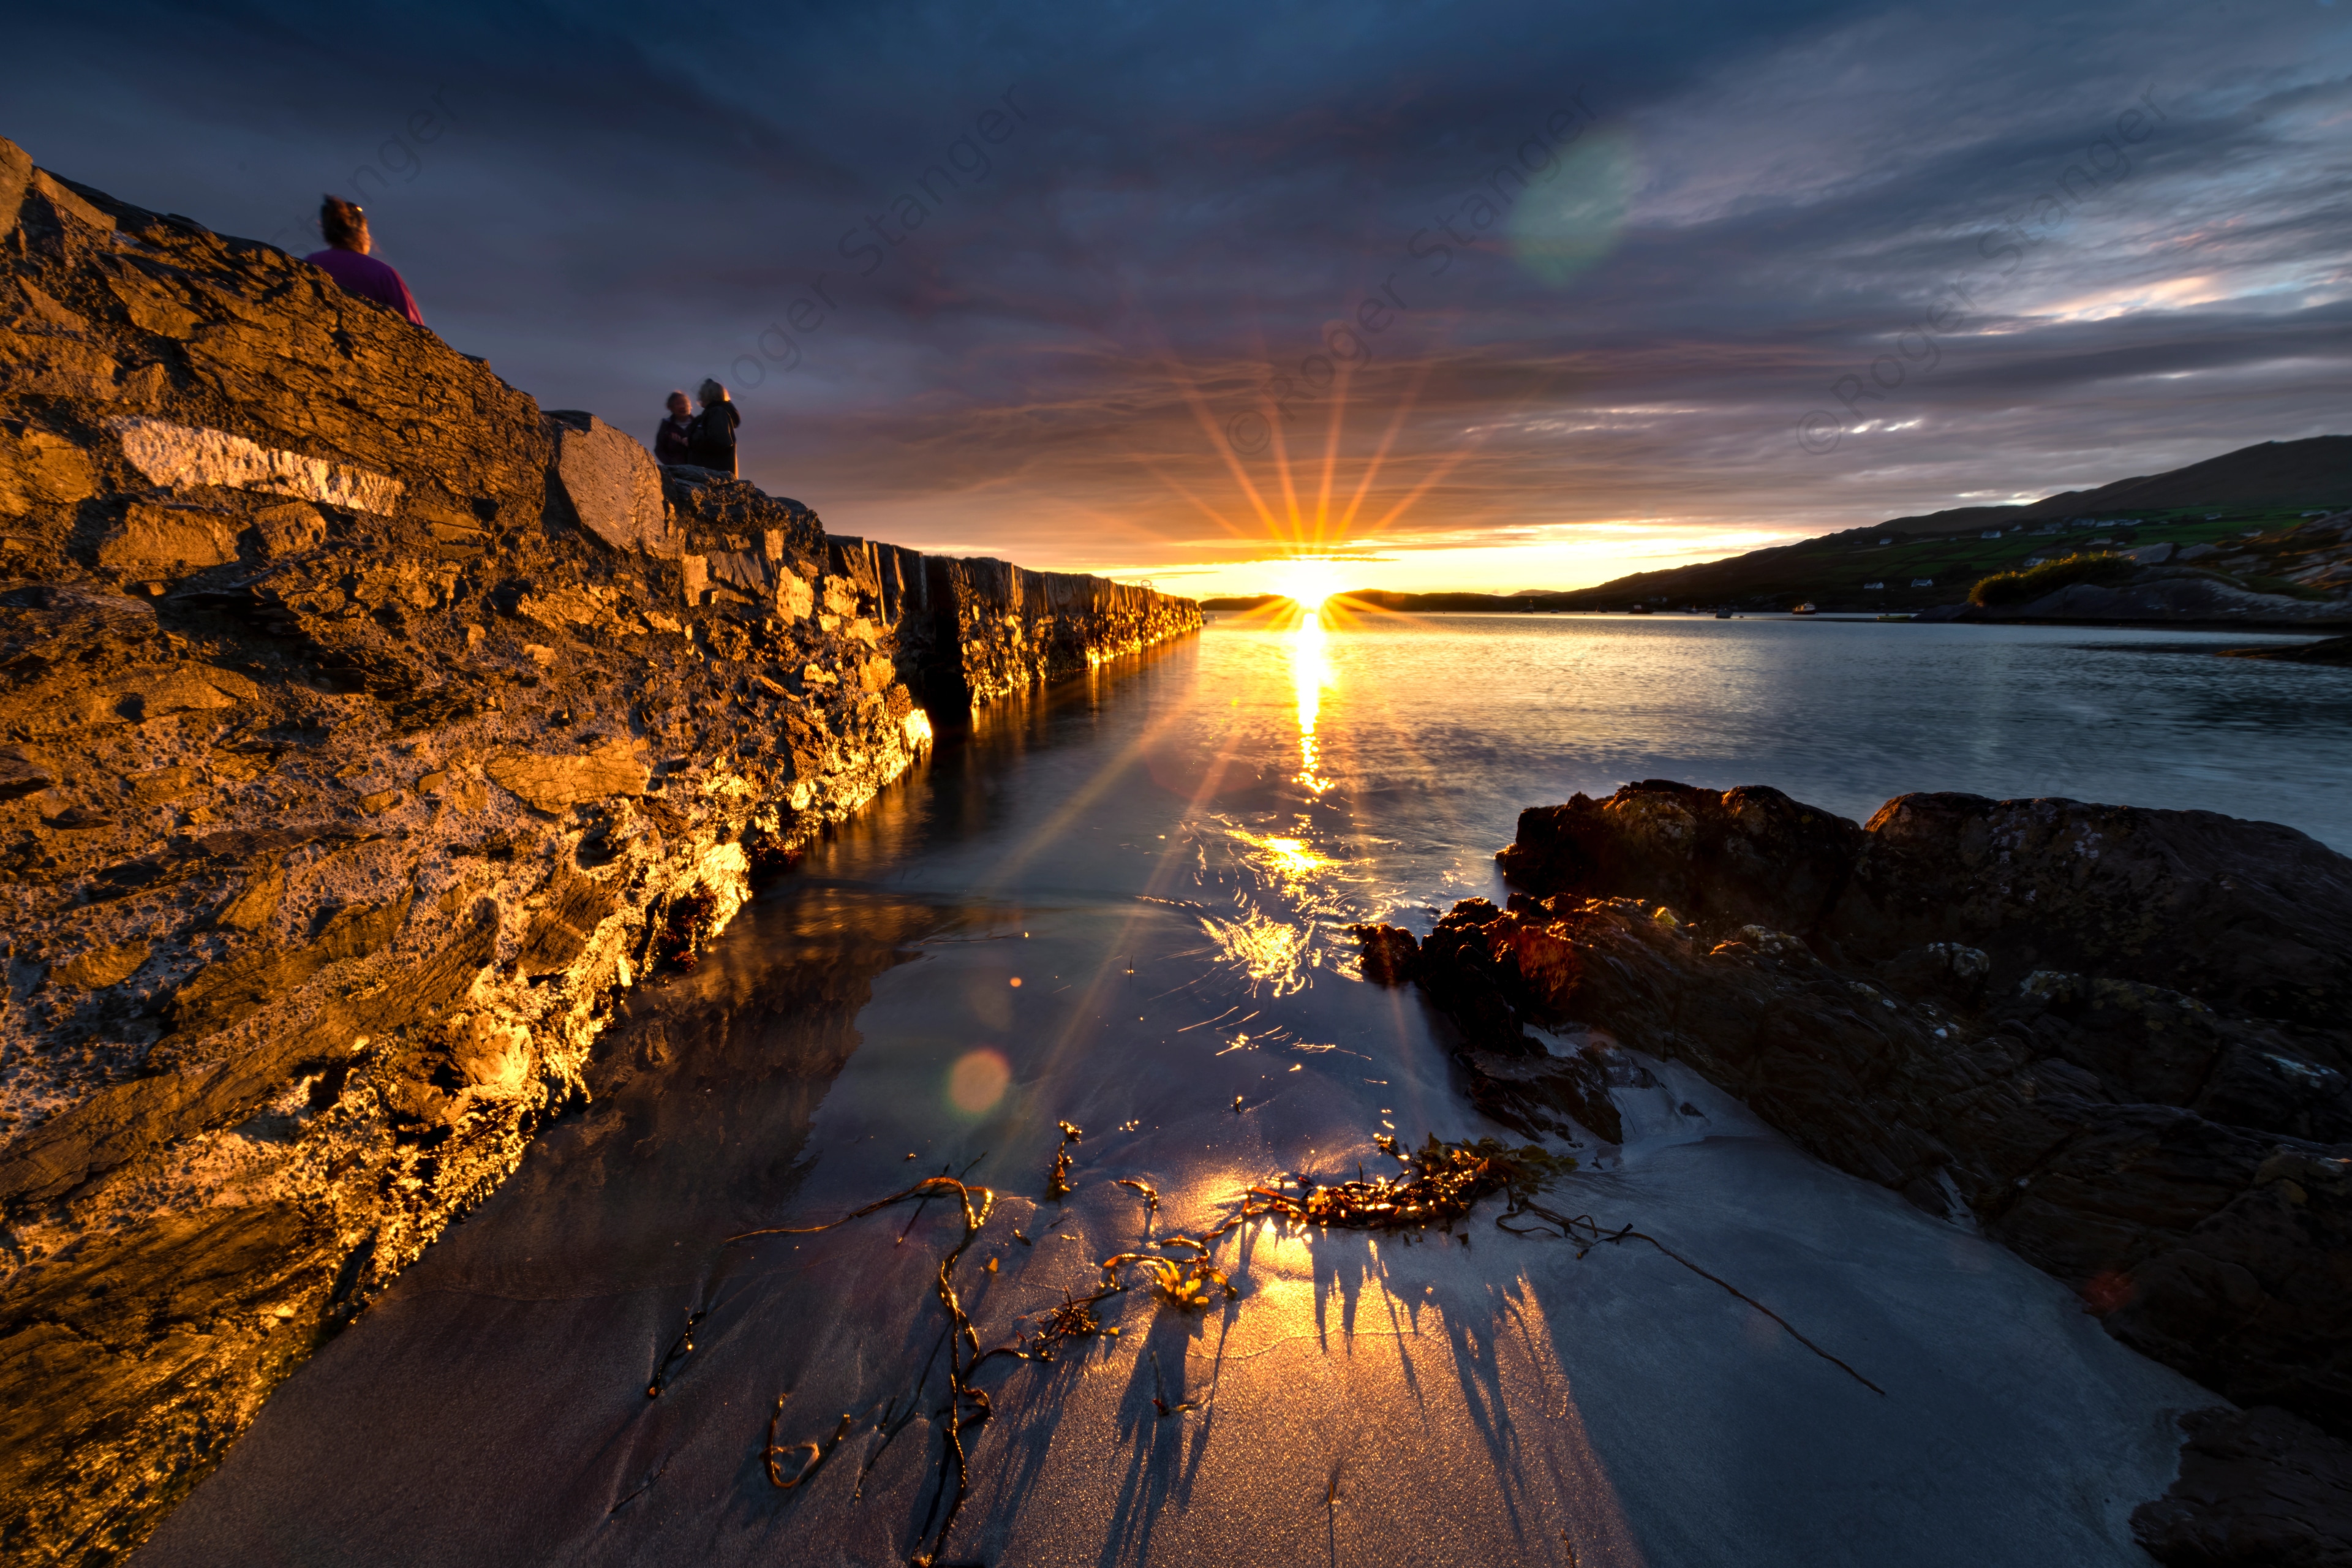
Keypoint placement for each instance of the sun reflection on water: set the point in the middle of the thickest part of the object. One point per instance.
(1269, 952)
(1294, 880)
(1291, 860)
(1310, 672)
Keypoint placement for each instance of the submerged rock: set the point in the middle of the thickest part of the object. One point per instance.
(2327, 650)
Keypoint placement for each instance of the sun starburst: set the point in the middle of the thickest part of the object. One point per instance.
(1306, 581)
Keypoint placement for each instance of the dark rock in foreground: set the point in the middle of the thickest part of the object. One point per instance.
(2257, 1487)
(2112, 1038)
(2250, 917)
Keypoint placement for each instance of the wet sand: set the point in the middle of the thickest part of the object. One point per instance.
(1362, 1400)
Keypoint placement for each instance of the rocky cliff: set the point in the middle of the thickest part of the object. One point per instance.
(364, 732)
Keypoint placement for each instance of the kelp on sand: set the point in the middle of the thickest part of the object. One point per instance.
(1440, 1185)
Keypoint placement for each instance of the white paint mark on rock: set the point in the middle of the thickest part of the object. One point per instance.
(180, 456)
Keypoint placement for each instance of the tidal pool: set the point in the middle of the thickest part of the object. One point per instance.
(1123, 905)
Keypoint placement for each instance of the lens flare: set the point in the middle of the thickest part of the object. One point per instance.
(977, 1080)
(1572, 219)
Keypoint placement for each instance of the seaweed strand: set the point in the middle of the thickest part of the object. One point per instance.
(967, 1406)
(1585, 1229)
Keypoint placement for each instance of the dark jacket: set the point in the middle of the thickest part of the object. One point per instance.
(711, 442)
(671, 442)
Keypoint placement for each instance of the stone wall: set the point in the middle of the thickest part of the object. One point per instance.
(971, 631)
(364, 733)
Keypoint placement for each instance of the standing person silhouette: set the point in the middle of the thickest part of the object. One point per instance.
(347, 261)
(674, 437)
(711, 443)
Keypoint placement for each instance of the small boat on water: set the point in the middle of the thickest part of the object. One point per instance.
(1638, 610)
(1894, 617)
(1723, 615)
(1805, 609)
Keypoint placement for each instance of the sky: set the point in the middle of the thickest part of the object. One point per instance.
(1491, 296)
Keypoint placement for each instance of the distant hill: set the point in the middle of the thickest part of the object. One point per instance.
(2277, 476)
(2290, 475)
(1934, 558)
(1911, 563)
(1389, 599)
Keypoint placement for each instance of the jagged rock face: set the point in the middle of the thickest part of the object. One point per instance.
(363, 733)
(1489, 975)
(2112, 1037)
(2244, 915)
(2248, 915)
(1743, 855)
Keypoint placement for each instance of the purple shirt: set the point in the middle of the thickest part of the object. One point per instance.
(367, 278)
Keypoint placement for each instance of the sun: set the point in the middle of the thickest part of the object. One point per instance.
(1307, 582)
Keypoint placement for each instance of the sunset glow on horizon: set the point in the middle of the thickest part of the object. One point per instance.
(1587, 555)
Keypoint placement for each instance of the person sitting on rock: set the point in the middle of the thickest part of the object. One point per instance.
(347, 261)
(674, 441)
(711, 443)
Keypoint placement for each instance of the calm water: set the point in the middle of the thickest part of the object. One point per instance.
(1123, 905)
(1450, 724)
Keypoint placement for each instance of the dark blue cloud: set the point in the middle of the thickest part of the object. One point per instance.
(1037, 323)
